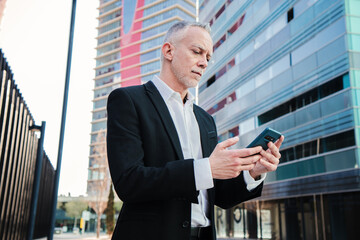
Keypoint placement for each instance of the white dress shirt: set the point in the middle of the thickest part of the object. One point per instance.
(189, 135)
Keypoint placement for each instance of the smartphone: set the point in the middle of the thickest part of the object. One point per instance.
(268, 135)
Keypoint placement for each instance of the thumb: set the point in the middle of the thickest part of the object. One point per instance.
(228, 142)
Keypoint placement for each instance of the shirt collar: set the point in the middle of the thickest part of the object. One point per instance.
(166, 92)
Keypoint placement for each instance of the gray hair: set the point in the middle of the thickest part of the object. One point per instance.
(180, 26)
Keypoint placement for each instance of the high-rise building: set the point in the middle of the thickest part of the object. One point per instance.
(292, 65)
(130, 34)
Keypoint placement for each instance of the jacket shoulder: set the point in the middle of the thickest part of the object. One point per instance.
(202, 112)
(133, 92)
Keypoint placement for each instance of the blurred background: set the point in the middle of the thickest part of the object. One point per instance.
(292, 65)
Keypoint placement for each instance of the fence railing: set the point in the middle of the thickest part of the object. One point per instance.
(18, 157)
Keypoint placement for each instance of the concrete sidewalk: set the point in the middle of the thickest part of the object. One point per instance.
(84, 236)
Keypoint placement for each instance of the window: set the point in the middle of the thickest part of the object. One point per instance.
(107, 69)
(210, 81)
(317, 146)
(218, 43)
(304, 99)
(234, 132)
(290, 15)
(220, 73)
(220, 105)
(236, 25)
(217, 15)
(337, 141)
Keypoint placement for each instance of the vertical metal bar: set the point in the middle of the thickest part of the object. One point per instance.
(19, 143)
(36, 185)
(5, 119)
(22, 164)
(15, 159)
(63, 119)
(23, 192)
(2, 90)
(280, 222)
(8, 193)
(32, 150)
(5, 164)
(316, 218)
(322, 216)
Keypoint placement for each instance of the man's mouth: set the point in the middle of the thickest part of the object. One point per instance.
(198, 73)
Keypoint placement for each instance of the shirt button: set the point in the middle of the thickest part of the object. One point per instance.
(185, 224)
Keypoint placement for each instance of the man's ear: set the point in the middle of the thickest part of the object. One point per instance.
(167, 51)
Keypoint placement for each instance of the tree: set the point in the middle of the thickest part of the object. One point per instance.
(98, 186)
(74, 209)
(110, 212)
(118, 206)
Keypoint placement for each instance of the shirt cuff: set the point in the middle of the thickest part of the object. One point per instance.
(251, 183)
(203, 175)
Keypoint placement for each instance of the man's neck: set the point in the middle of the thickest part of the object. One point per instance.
(175, 86)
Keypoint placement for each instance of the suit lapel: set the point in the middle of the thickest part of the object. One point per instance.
(204, 146)
(165, 116)
(203, 132)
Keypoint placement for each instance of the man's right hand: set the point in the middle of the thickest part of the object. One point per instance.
(228, 163)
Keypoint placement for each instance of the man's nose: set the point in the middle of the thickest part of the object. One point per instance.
(203, 63)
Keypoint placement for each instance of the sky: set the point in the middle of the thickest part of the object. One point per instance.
(34, 37)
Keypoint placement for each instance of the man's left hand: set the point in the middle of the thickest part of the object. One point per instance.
(269, 160)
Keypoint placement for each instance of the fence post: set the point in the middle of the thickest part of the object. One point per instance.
(36, 186)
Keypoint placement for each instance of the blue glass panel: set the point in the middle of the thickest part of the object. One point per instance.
(354, 60)
(341, 160)
(285, 123)
(334, 104)
(304, 67)
(311, 166)
(322, 5)
(354, 42)
(98, 126)
(150, 55)
(346, 81)
(128, 14)
(263, 91)
(307, 114)
(287, 171)
(302, 21)
(331, 51)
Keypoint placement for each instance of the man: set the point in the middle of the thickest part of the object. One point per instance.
(164, 159)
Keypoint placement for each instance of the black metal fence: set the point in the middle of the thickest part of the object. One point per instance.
(19, 144)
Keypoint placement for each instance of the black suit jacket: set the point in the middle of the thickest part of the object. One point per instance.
(150, 175)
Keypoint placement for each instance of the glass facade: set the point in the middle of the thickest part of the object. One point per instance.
(130, 34)
(292, 66)
(319, 216)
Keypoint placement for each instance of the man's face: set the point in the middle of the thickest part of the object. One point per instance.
(192, 51)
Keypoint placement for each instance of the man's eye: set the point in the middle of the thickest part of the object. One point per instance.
(196, 52)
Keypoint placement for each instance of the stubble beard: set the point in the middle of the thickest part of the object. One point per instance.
(185, 80)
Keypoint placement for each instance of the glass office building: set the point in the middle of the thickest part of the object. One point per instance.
(292, 65)
(130, 34)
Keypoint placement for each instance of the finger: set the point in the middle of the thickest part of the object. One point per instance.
(279, 141)
(228, 143)
(244, 152)
(247, 167)
(268, 165)
(274, 150)
(249, 160)
(269, 157)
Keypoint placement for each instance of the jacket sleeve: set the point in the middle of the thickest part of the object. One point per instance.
(133, 179)
(231, 192)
